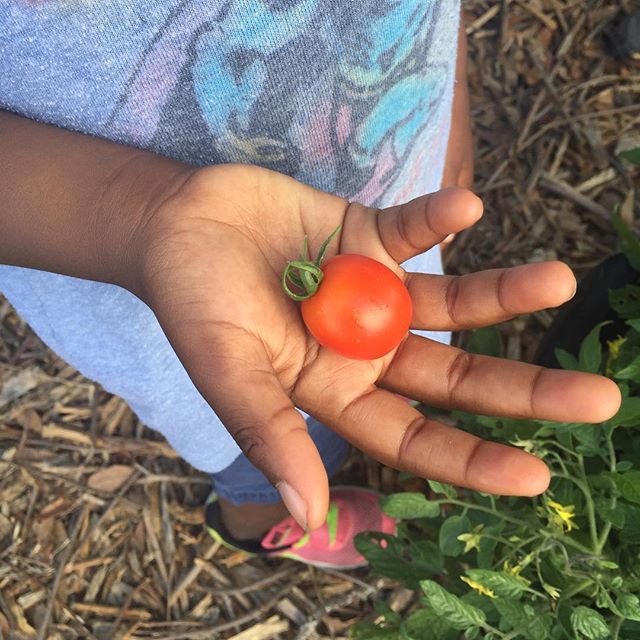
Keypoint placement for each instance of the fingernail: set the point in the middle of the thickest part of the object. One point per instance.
(294, 503)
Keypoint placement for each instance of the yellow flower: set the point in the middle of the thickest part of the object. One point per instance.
(514, 571)
(552, 591)
(471, 540)
(614, 352)
(480, 588)
(527, 445)
(562, 516)
(614, 346)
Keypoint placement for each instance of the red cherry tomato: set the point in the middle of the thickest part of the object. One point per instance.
(362, 310)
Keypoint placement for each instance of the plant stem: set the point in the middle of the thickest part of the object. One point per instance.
(479, 507)
(521, 523)
(516, 547)
(604, 534)
(581, 586)
(615, 629)
(591, 512)
(559, 446)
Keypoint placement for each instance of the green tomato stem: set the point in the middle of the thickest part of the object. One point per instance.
(305, 275)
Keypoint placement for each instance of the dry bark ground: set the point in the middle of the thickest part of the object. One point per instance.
(100, 523)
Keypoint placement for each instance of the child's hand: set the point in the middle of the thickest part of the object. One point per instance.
(212, 264)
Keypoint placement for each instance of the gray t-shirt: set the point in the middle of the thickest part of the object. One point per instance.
(349, 96)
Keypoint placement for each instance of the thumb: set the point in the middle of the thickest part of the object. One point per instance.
(252, 404)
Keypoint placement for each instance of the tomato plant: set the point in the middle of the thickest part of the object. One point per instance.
(351, 304)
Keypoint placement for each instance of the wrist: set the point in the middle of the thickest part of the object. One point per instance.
(125, 212)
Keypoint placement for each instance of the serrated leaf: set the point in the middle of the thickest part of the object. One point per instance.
(513, 614)
(630, 372)
(459, 614)
(629, 606)
(613, 515)
(590, 356)
(626, 301)
(540, 627)
(629, 242)
(424, 624)
(408, 505)
(450, 529)
(446, 489)
(567, 360)
(486, 341)
(629, 413)
(589, 436)
(632, 155)
(589, 623)
(398, 559)
(501, 583)
(629, 485)
(630, 533)
(472, 633)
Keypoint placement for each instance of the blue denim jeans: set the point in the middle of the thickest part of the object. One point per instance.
(241, 482)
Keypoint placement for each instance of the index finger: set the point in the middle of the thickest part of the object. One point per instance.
(411, 228)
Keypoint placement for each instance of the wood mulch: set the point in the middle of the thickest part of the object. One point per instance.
(101, 523)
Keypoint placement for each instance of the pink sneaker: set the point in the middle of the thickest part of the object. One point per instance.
(351, 511)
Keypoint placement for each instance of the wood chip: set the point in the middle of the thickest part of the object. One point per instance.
(107, 611)
(264, 630)
(111, 478)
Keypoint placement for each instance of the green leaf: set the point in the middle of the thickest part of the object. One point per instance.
(589, 436)
(589, 623)
(629, 413)
(629, 242)
(613, 515)
(634, 323)
(486, 341)
(630, 372)
(451, 528)
(624, 465)
(632, 155)
(406, 506)
(424, 624)
(630, 533)
(513, 613)
(629, 606)
(398, 559)
(501, 583)
(629, 485)
(459, 614)
(540, 627)
(446, 489)
(567, 360)
(626, 301)
(472, 633)
(590, 357)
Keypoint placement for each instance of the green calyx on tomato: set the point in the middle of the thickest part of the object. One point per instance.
(363, 309)
(303, 274)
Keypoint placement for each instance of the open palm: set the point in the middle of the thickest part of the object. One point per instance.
(215, 254)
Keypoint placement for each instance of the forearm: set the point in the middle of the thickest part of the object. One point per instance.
(459, 162)
(72, 203)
